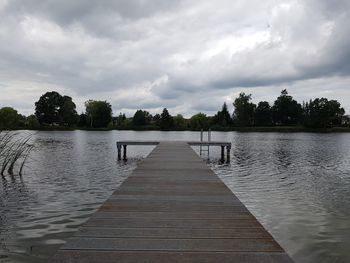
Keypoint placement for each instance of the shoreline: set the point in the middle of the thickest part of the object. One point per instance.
(277, 129)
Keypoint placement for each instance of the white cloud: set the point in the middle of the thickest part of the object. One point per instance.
(186, 55)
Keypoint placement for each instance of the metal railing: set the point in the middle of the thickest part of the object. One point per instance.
(201, 150)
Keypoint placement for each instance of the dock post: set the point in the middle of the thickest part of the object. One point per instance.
(228, 150)
(201, 139)
(124, 153)
(222, 154)
(119, 147)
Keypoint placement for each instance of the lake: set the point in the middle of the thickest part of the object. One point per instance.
(296, 184)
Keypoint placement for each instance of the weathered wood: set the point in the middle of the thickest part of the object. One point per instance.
(206, 143)
(172, 208)
(200, 143)
(137, 142)
(169, 244)
(179, 233)
(124, 152)
(86, 256)
(119, 148)
(228, 151)
(222, 154)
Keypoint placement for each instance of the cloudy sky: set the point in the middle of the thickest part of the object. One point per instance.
(186, 55)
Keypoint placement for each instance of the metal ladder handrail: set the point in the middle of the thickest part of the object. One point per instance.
(208, 147)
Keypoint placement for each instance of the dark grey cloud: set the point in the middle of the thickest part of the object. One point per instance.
(176, 54)
(104, 18)
(66, 11)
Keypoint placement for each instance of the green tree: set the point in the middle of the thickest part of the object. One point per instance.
(141, 118)
(9, 118)
(323, 113)
(180, 122)
(21, 121)
(346, 121)
(53, 108)
(263, 116)
(199, 121)
(83, 120)
(286, 111)
(48, 107)
(123, 122)
(67, 112)
(223, 117)
(156, 119)
(166, 120)
(99, 113)
(120, 119)
(244, 110)
(32, 122)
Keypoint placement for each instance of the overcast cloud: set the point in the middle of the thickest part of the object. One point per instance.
(188, 56)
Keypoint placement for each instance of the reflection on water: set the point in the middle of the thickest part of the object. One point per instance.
(70, 175)
(297, 185)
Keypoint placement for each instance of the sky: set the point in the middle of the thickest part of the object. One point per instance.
(188, 56)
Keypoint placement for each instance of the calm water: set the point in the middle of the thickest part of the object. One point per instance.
(297, 185)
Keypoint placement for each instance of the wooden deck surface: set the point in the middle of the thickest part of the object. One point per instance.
(172, 208)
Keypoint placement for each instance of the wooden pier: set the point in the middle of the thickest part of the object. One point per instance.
(172, 208)
(123, 145)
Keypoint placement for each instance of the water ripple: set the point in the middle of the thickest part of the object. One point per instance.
(297, 185)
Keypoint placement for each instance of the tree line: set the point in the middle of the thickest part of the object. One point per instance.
(57, 111)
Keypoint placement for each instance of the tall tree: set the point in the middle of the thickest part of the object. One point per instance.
(9, 118)
(199, 121)
(346, 121)
(141, 118)
(83, 120)
(286, 111)
(323, 113)
(32, 122)
(47, 108)
(180, 122)
(54, 108)
(67, 112)
(223, 117)
(120, 121)
(244, 110)
(166, 120)
(99, 113)
(263, 116)
(22, 121)
(156, 119)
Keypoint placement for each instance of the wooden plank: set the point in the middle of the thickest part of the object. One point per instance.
(194, 143)
(168, 244)
(221, 199)
(135, 142)
(178, 223)
(174, 215)
(81, 256)
(172, 208)
(211, 143)
(182, 233)
(168, 208)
